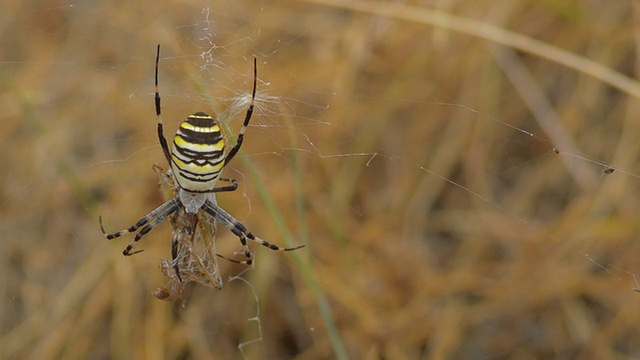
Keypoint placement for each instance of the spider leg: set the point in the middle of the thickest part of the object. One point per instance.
(247, 117)
(161, 138)
(245, 262)
(174, 255)
(147, 223)
(235, 230)
(232, 187)
(238, 229)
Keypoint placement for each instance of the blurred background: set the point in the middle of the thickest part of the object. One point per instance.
(464, 175)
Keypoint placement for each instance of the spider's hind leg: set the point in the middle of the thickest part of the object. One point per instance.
(241, 231)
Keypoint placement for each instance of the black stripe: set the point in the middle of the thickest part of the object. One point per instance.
(214, 154)
(200, 119)
(198, 159)
(198, 178)
(196, 137)
(200, 164)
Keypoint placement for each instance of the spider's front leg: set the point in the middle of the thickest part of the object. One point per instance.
(147, 223)
(161, 138)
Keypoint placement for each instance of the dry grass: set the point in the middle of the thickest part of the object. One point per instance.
(396, 145)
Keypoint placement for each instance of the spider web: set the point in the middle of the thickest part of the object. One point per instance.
(328, 125)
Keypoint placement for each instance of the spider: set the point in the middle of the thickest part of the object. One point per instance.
(197, 158)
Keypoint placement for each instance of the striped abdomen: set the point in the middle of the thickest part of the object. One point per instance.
(197, 154)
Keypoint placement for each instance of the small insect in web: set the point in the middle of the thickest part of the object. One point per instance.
(197, 157)
(190, 262)
(187, 267)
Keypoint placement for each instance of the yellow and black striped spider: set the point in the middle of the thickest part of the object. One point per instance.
(197, 158)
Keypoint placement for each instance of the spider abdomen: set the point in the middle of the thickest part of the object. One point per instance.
(197, 154)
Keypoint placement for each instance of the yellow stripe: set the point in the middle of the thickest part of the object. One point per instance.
(210, 129)
(204, 116)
